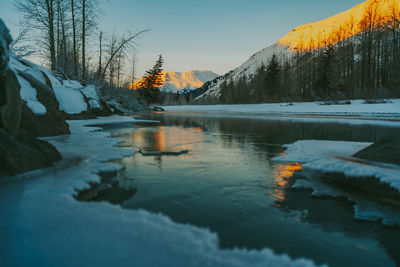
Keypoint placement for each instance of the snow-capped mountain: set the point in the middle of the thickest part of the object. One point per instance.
(338, 27)
(182, 81)
(307, 37)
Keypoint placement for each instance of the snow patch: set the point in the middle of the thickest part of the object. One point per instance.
(91, 94)
(336, 157)
(29, 95)
(32, 70)
(70, 99)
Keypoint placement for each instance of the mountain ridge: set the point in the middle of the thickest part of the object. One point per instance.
(286, 47)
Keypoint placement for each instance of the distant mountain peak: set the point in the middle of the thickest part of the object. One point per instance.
(178, 81)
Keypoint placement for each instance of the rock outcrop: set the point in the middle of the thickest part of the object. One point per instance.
(50, 124)
(20, 150)
(387, 151)
(24, 152)
(10, 101)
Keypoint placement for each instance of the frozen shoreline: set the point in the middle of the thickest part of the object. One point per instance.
(42, 223)
(335, 157)
(357, 113)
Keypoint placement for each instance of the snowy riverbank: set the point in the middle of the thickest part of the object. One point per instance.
(357, 113)
(42, 223)
(336, 157)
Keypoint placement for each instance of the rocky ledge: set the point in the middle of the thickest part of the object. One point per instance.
(20, 149)
(387, 151)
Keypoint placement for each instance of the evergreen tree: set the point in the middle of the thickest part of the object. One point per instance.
(224, 92)
(272, 78)
(242, 92)
(231, 91)
(152, 81)
(286, 81)
(326, 77)
(257, 85)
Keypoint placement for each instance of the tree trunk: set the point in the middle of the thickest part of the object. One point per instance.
(100, 54)
(75, 71)
(83, 39)
(50, 12)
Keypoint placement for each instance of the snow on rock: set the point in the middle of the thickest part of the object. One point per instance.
(336, 157)
(32, 69)
(42, 224)
(72, 84)
(70, 99)
(27, 92)
(68, 93)
(29, 95)
(91, 94)
(88, 91)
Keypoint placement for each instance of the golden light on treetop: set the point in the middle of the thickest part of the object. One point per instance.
(179, 80)
(341, 26)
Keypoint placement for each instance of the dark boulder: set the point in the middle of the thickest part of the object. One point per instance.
(384, 151)
(11, 110)
(23, 152)
(20, 150)
(10, 100)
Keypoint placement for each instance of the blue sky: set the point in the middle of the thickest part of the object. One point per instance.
(216, 35)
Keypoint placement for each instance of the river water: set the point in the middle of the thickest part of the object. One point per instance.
(228, 184)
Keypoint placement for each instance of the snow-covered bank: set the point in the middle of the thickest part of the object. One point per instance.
(42, 224)
(387, 114)
(70, 94)
(336, 157)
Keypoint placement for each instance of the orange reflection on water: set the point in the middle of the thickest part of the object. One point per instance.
(161, 139)
(283, 173)
(168, 139)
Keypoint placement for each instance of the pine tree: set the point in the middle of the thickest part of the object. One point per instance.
(224, 92)
(272, 78)
(151, 82)
(242, 92)
(257, 84)
(286, 80)
(325, 83)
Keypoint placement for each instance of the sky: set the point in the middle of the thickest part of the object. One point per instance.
(216, 35)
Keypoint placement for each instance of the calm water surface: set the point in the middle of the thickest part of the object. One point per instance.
(228, 183)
